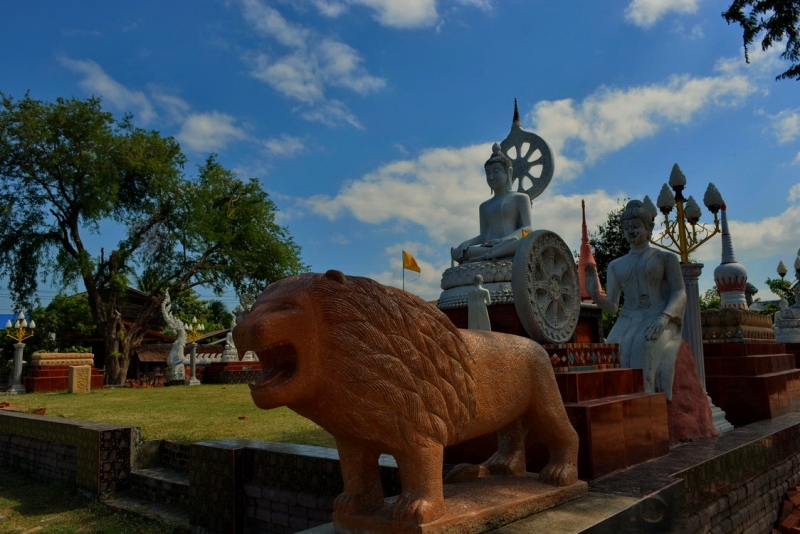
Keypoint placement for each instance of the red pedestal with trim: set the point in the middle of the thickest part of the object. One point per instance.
(45, 378)
(752, 381)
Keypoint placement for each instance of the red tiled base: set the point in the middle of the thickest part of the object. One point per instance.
(592, 385)
(752, 381)
(794, 348)
(738, 349)
(618, 425)
(749, 365)
(747, 399)
(232, 366)
(54, 378)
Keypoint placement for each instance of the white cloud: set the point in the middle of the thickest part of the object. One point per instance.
(97, 82)
(340, 65)
(755, 240)
(645, 13)
(332, 113)
(293, 76)
(786, 125)
(441, 191)
(285, 145)
(210, 131)
(405, 14)
(268, 20)
(312, 65)
(339, 239)
(176, 108)
(330, 8)
(426, 283)
(610, 119)
(485, 5)
(794, 193)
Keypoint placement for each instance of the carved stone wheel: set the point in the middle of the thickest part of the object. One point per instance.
(531, 158)
(547, 293)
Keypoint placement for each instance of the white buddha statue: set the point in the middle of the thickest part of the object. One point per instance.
(648, 329)
(502, 218)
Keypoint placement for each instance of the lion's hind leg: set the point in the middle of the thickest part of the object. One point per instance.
(509, 460)
(551, 424)
(362, 480)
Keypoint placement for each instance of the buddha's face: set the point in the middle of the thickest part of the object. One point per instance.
(635, 231)
(496, 175)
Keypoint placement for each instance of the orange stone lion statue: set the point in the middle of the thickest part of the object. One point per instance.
(385, 372)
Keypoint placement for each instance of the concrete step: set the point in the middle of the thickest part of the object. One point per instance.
(130, 502)
(162, 485)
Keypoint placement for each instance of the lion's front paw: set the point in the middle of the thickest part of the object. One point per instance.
(417, 511)
(559, 474)
(355, 503)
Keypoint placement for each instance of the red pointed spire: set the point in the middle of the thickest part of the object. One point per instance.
(586, 257)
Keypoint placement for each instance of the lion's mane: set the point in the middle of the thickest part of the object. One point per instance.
(396, 361)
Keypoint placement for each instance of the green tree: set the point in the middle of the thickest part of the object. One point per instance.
(218, 315)
(609, 243)
(778, 20)
(58, 326)
(68, 167)
(710, 300)
(782, 288)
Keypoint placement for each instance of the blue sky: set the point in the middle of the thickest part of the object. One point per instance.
(368, 121)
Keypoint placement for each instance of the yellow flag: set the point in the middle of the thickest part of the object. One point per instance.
(409, 262)
(525, 233)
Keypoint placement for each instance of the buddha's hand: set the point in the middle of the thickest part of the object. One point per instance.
(656, 328)
(590, 278)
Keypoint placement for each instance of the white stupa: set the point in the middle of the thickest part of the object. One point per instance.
(730, 276)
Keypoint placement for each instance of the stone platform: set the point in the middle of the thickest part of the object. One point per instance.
(49, 371)
(752, 381)
(618, 424)
(471, 507)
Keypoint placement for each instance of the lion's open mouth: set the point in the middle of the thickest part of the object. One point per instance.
(278, 364)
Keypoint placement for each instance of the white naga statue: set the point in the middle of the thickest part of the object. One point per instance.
(502, 218)
(175, 365)
(230, 353)
(477, 301)
(648, 329)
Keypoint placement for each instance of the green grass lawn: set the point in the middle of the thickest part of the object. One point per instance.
(181, 413)
(28, 506)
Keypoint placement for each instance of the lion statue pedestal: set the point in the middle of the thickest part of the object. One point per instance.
(385, 372)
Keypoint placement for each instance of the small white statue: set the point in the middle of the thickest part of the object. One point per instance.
(502, 218)
(787, 320)
(477, 301)
(648, 329)
(177, 371)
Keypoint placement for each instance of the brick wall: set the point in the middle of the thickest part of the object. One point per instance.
(751, 508)
(257, 486)
(102, 451)
(38, 458)
(174, 455)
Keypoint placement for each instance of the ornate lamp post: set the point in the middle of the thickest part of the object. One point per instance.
(193, 333)
(19, 332)
(683, 236)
